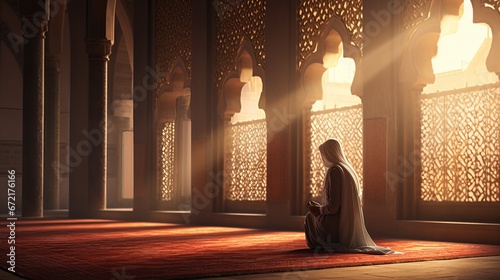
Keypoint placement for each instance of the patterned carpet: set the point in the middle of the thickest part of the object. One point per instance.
(97, 249)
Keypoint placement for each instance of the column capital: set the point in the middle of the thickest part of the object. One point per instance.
(98, 49)
(34, 18)
(33, 25)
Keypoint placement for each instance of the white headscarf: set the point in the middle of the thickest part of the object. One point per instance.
(332, 153)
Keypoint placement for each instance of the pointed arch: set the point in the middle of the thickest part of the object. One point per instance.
(416, 67)
(333, 42)
(246, 139)
(432, 126)
(245, 67)
(128, 36)
(177, 78)
(178, 84)
(173, 123)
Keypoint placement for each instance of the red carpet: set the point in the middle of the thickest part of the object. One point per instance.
(94, 249)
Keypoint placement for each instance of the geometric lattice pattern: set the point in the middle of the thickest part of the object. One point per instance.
(236, 20)
(167, 150)
(245, 160)
(173, 36)
(460, 145)
(313, 16)
(414, 12)
(346, 125)
(495, 4)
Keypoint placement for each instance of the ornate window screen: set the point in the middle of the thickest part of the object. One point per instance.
(494, 4)
(414, 12)
(346, 125)
(167, 144)
(460, 145)
(238, 19)
(313, 16)
(173, 20)
(245, 160)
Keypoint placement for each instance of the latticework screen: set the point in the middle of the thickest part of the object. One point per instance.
(460, 145)
(346, 125)
(245, 161)
(314, 15)
(167, 146)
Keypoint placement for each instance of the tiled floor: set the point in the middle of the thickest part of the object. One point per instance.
(467, 268)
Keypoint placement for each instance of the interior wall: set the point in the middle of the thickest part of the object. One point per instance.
(11, 101)
(10, 123)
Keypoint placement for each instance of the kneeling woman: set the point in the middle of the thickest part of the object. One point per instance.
(338, 224)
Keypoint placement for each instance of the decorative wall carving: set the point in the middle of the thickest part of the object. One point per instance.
(167, 161)
(346, 125)
(495, 4)
(460, 145)
(173, 19)
(237, 20)
(415, 11)
(245, 161)
(313, 16)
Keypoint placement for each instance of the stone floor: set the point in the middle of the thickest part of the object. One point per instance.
(467, 268)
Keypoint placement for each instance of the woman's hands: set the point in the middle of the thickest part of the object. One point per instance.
(313, 207)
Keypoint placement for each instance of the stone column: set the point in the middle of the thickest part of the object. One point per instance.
(379, 71)
(280, 60)
(77, 163)
(52, 134)
(34, 26)
(144, 164)
(98, 51)
(183, 161)
(202, 120)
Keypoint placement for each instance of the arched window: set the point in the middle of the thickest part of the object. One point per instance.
(460, 122)
(331, 110)
(120, 171)
(174, 142)
(245, 137)
(337, 115)
(246, 148)
(456, 120)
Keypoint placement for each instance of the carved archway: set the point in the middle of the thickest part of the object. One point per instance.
(244, 187)
(424, 198)
(416, 67)
(422, 35)
(177, 84)
(333, 42)
(173, 101)
(245, 67)
(121, 110)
